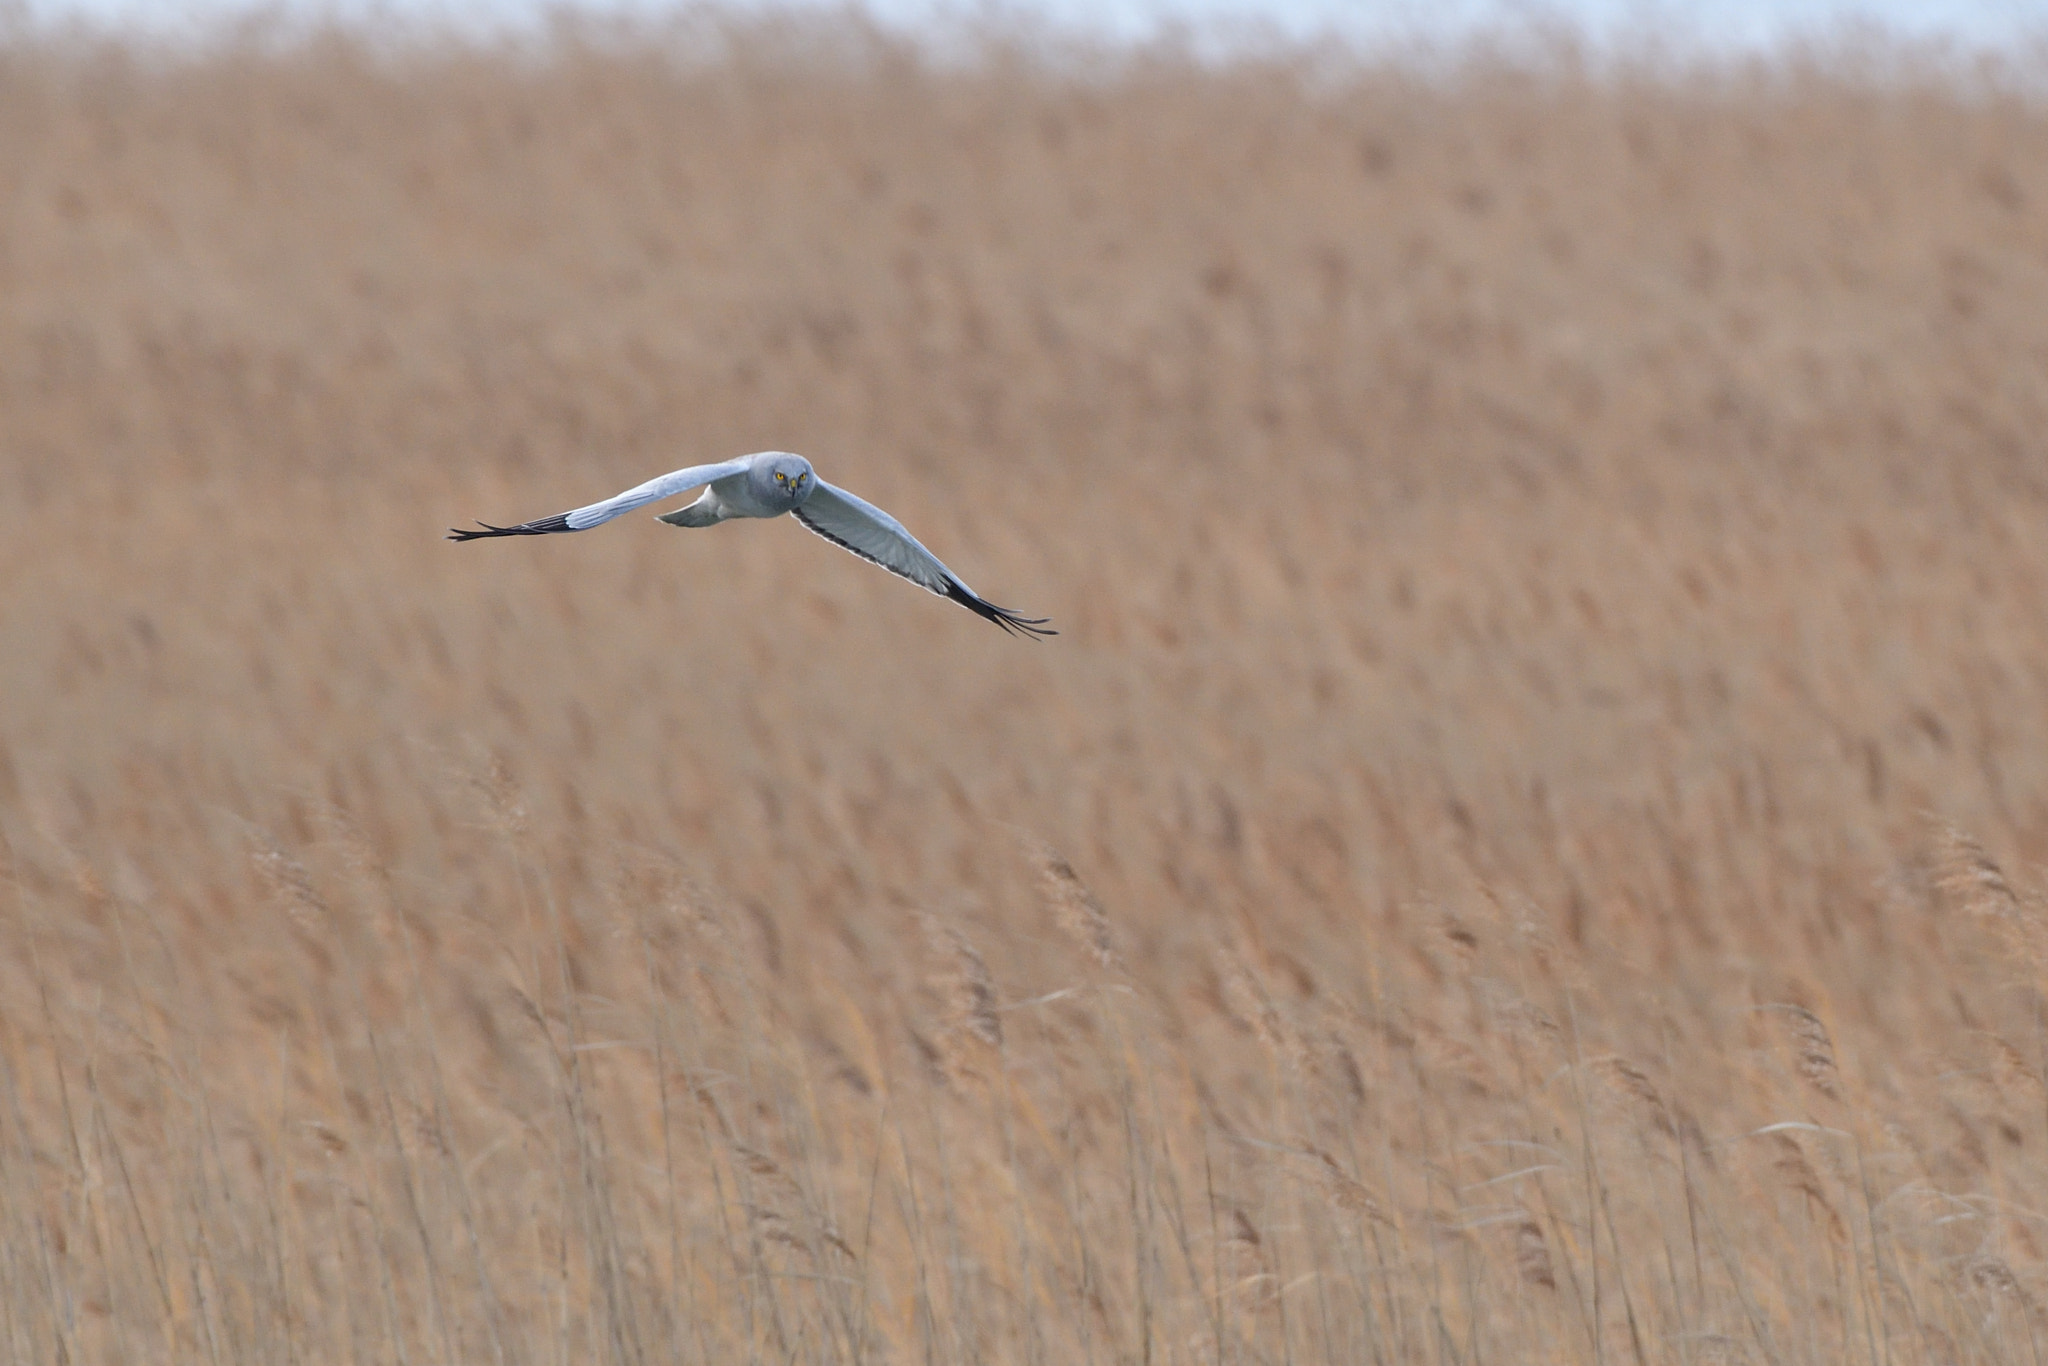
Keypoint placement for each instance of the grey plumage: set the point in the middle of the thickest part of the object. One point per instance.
(767, 485)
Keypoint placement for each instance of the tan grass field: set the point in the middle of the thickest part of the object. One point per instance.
(1553, 582)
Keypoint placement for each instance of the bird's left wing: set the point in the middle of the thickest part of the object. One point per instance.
(858, 525)
(584, 518)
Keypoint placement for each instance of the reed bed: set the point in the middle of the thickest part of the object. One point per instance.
(1527, 847)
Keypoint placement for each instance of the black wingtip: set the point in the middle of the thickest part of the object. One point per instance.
(1015, 623)
(541, 527)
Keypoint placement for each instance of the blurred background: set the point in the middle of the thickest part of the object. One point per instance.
(1723, 27)
(1527, 847)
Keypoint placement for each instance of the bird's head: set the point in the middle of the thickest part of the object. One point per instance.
(785, 479)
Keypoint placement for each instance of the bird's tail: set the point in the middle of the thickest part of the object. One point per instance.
(704, 512)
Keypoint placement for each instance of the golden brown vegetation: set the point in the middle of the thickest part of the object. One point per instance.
(1550, 570)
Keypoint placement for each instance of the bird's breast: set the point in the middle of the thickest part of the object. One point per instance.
(745, 500)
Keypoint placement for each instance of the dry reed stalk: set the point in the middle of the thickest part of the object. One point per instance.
(1972, 882)
(964, 982)
(1992, 1278)
(358, 852)
(1795, 1172)
(1250, 1266)
(1075, 909)
(331, 1143)
(1526, 930)
(1245, 996)
(1532, 1024)
(1532, 1255)
(290, 882)
(497, 788)
(1626, 1080)
(1971, 878)
(771, 1226)
(2011, 1069)
(781, 1211)
(1349, 1072)
(1343, 1191)
(1444, 1054)
(1813, 1049)
(764, 1170)
(1460, 942)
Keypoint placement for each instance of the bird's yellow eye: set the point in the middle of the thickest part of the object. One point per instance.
(781, 478)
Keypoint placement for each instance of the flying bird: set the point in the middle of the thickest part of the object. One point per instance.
(768, 485)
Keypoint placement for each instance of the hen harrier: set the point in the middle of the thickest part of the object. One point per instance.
(768, 485)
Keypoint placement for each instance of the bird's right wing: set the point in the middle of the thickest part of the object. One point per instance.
(584, 518)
